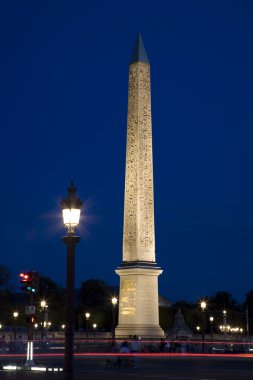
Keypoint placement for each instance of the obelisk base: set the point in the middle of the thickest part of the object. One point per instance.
(140, 331)
(138, 301)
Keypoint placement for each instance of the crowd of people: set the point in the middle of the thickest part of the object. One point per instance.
(125, 354)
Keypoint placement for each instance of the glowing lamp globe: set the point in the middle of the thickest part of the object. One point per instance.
(71, 209)
(203, 305)
(114, 301)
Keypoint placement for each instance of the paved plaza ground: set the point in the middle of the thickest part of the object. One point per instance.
(179, 368)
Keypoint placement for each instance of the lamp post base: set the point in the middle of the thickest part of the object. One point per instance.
(29, 358)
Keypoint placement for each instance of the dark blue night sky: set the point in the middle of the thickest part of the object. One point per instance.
(63, 100)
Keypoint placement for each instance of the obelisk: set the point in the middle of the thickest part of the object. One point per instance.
(138, 298)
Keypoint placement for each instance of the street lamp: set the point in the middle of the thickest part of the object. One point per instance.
(87, 317)
(203, 308)
(211, 319)
(43, 306)
(15, 316)
(71, 210)
(114, 307)
(203, 305)
(224, 312)
(94, 328)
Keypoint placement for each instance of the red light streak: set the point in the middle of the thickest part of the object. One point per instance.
(198, 342)
(80, 355)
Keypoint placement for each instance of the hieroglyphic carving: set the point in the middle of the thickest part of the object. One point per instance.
(138, 239)
(147, 298)
(128, 297)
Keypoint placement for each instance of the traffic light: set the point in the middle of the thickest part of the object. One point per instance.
(29, 281)
(33, 319)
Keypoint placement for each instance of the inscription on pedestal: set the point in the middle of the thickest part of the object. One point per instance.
(147, 298)
(128, 297)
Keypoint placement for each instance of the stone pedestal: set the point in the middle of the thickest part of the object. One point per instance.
(138, 302)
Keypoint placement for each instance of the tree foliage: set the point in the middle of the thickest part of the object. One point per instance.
(248, 305)
(54, 295)
(95, 297)
(222, 300)
(5, 276)
(95, 293)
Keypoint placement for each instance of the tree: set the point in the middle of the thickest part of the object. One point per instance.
(95, 293)
(5, 276)
(222, 300)
(95, 297)
(5, 294)
(54, 295)
(248, 304)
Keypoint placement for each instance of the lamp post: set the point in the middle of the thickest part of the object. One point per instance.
(211, 319)
(15, 316)
(203, 308)
(247, 320)
(114, 307)
(87, 317)
(241, 332)
(94, 330)
(71, 210)
(224, 312)
(43, 306)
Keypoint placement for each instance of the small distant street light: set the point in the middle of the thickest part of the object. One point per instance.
(71, 212)
(87, 317)
(211, 319)
(63, 326)
(203, 305)
(114, 301)
(224, 312)
(198, 328)
(15, 316)
(114, 308)
(94, 329)
(43, 304)
(203, 308)
(44, 314)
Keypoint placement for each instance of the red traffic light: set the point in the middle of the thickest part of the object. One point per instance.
(30, 280)
(24, 277)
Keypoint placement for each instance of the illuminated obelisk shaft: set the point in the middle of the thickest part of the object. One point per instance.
(138, 303)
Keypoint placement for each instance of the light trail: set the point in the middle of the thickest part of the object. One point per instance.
(148, 355)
